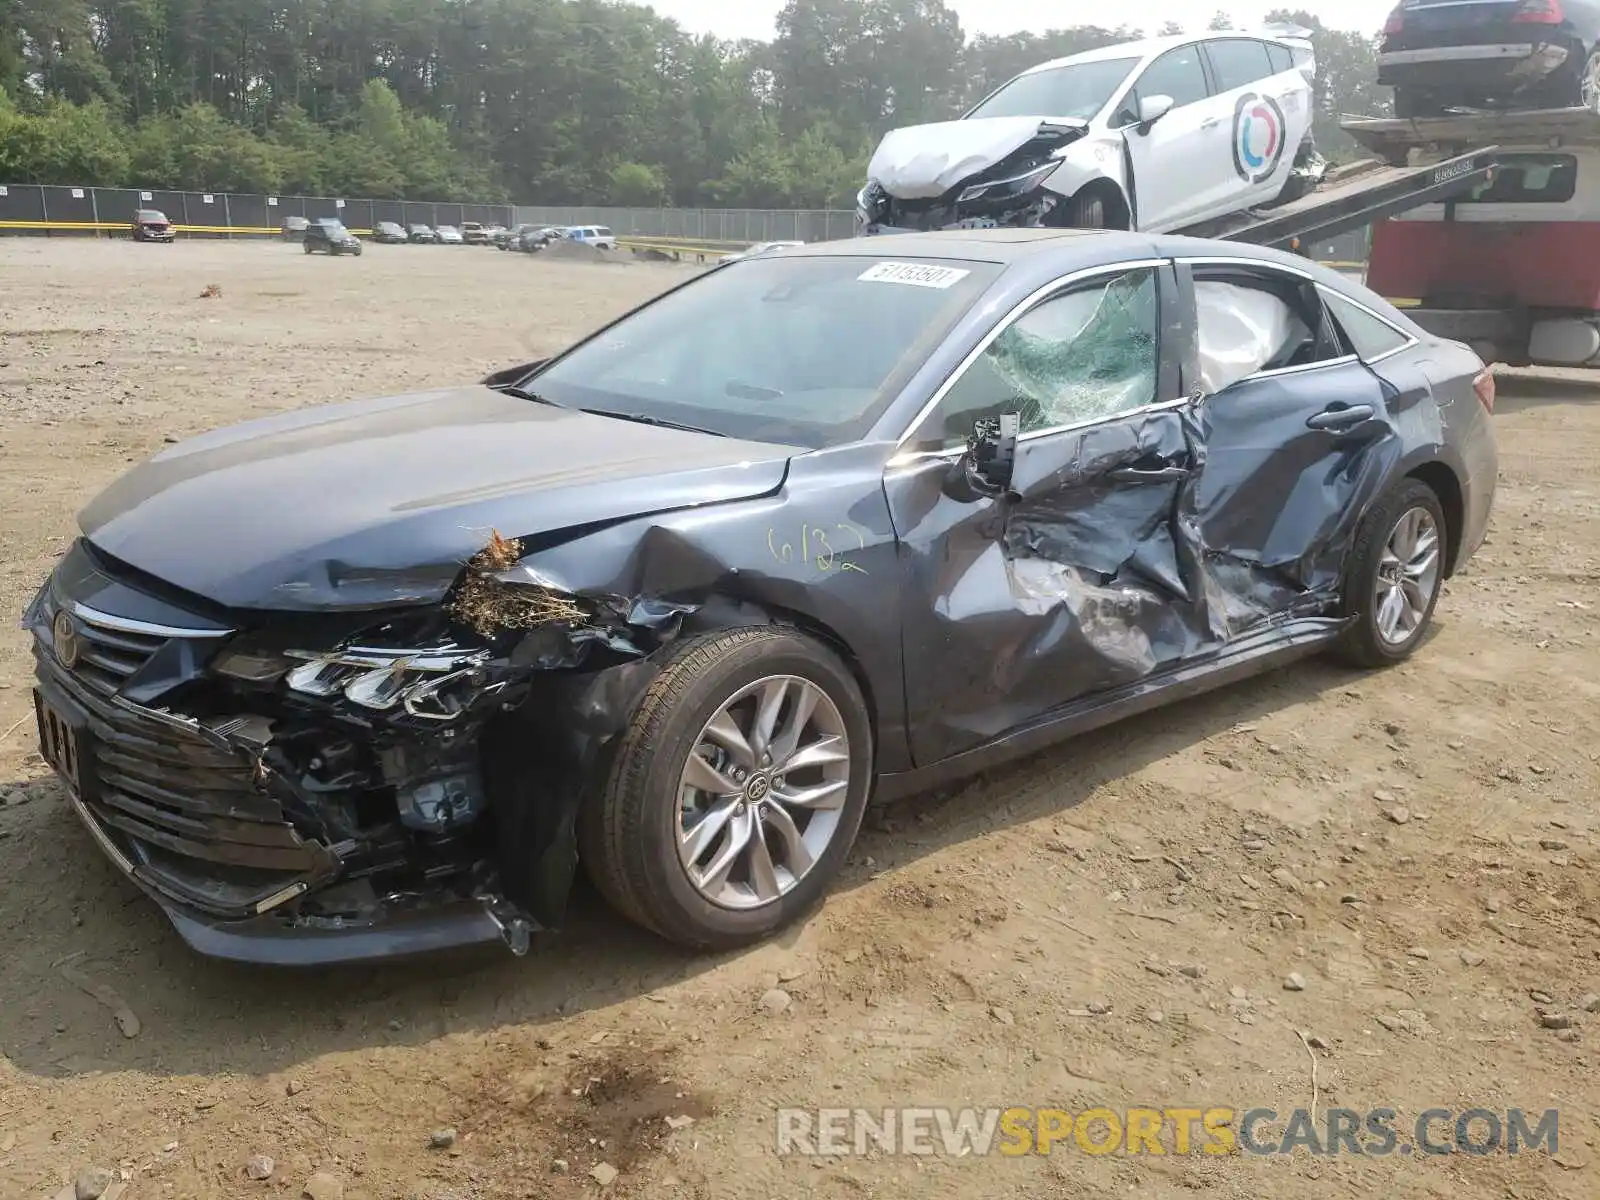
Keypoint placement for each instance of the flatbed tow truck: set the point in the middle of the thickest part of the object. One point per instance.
(1485, 227)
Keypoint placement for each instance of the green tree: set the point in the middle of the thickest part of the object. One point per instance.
(637, 184)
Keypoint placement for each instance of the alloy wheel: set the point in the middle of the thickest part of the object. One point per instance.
(762, 793)
(1408, 576)
(1589, 85)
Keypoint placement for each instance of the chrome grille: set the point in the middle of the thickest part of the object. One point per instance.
(110, 649)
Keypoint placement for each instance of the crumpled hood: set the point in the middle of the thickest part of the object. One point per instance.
(924, 161)
(380, 502)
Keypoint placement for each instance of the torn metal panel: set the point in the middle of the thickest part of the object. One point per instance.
(1289, 469)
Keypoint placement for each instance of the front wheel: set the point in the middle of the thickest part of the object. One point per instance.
(310, 249)
(1588, 90)
(1088, 211)
(1394, 576)
(736, 792)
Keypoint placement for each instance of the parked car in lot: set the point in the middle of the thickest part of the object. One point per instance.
(760, 248)
(389, 232)
(1443, 54)
(505, 238)
(591, 235)
(535, 238)
(422, 233)
(328, 235)
(448, 235)
(1157, 135)
(877, 513)
(294, 228)
(473, 233)
(493, 235)
(151, 225)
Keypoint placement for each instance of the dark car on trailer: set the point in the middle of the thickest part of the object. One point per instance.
(151, 225)
(873, 514)
(1444, 54)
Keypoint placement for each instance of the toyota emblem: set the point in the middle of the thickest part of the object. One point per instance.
(64, 636)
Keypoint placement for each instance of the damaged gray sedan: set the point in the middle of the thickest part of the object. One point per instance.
(373, 679)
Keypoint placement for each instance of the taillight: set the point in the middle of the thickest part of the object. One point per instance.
(1483, 384)
(1396, 21)
(1539, 12)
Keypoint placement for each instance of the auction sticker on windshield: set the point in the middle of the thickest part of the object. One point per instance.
(915, 274)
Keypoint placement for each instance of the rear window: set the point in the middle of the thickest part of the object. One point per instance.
(1528, 179)
(1238, 62)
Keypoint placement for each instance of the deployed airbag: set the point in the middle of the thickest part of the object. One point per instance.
(1242, 330)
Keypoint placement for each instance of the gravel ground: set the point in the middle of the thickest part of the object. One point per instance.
(1390, 865)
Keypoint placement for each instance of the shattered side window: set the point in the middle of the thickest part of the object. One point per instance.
(1243, 330)
(1083, 356)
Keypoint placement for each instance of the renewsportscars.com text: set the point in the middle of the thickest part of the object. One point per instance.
(1018, 1131)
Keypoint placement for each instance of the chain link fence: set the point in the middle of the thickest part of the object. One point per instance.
(87, 211)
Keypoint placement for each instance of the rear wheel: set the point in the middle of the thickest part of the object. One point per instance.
(1589, 84)
(310, 248)
(736, 792)
(1394, 576)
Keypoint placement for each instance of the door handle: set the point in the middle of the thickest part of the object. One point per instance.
(1210, 122)
(1342, 418)
(1155, 475)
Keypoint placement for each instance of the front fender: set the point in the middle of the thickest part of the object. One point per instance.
(1096, 157)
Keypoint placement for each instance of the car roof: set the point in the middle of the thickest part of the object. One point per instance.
(1150, 47)
(1032, 258)
(1004, 246)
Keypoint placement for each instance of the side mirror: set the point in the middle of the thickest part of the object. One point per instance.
(991, 455)
(1152, 109)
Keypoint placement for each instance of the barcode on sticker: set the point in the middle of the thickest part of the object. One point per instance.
(915, 274)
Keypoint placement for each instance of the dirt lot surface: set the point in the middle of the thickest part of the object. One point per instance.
(1115, 923)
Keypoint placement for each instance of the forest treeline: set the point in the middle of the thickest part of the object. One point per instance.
(536, 101)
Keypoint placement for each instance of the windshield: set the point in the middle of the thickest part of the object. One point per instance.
(1079, 90)
(800, 351)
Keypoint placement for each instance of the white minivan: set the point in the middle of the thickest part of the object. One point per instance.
(1157, 135)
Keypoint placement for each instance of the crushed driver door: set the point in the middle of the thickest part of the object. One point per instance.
(1068, 582)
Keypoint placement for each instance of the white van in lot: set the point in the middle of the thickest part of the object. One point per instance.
(1157, 135)
(592, 235)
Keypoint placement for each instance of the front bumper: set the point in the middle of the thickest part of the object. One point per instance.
(211, 802)
(277, 941)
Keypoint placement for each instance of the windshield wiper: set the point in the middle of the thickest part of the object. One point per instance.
(644, 419)
(524, 394)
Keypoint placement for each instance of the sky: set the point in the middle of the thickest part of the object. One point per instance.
(754, 18)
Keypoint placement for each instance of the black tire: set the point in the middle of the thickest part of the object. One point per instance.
(1087, 211)
(1363, 644)
(628, 832)
(310, 249)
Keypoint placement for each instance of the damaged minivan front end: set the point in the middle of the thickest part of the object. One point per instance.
(965, 175)
(271, 781)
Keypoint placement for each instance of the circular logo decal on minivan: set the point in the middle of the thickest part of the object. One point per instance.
(1258, 136)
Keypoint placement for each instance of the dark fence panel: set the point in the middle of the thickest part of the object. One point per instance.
(251, 213)
(22, 205)
(116, 206)
(357, 214)
(389, 210)
(71, 211)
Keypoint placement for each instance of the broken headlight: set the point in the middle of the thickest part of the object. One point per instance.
(1015, 185)
(436, 683)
